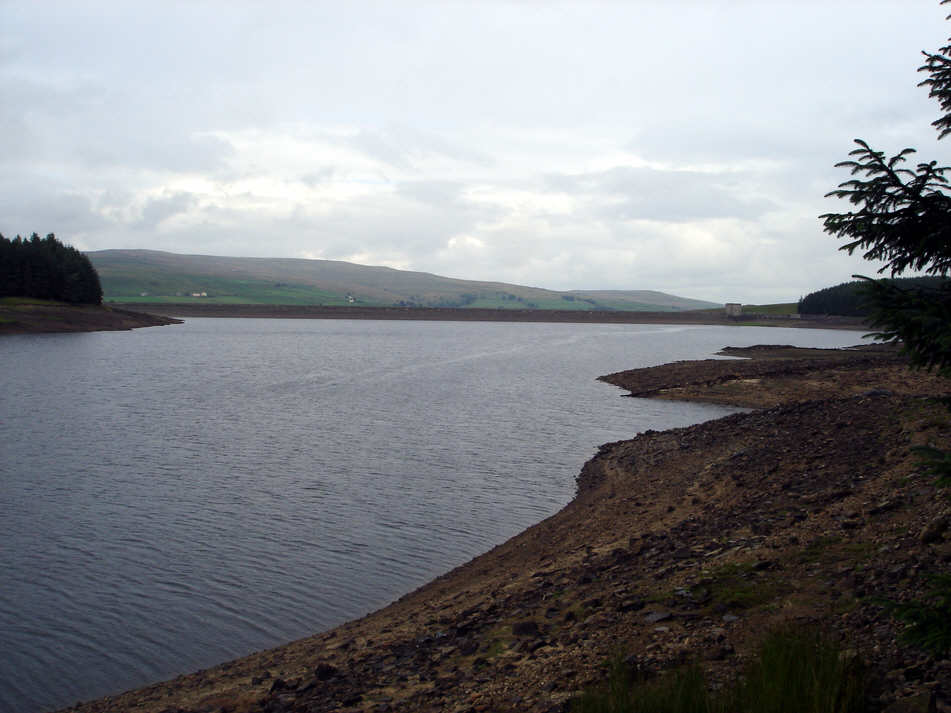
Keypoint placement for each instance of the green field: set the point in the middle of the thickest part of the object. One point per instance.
(149, 276)
(781, 308)
(178, 289)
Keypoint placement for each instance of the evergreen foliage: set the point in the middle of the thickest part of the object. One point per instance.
(903, 218)
(44, 268)
(850, 299)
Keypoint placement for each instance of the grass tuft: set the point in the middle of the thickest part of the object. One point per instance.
(793, 672)
(679, 691)
(801, 672)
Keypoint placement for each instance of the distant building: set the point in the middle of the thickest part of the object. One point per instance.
(734, 309)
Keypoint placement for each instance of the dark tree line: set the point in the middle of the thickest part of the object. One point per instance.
(46, 269)
(854, 299)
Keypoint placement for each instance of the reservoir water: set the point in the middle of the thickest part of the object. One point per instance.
(174, 497)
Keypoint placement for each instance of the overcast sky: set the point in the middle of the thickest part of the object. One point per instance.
(649, 144)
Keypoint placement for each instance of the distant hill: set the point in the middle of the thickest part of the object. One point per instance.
(161, 277)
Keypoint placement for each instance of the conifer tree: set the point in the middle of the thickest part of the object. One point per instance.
(47, 269)
(903, 218)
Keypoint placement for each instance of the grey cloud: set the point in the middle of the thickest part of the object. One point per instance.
(400, 146)
(315, 178)
(438, 193)
(35, 116)
(163, 152)
(429, 143)
(376, 146)
(27, 207)
(18, 141)
(629, 193)
(385, 226)
(87, 126)
(379, 223)
(160, 209)
(706, 141)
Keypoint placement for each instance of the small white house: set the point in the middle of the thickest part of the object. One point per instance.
(734, 309)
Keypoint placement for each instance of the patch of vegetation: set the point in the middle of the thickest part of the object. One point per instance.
(819, 549)
(495, 642)
(496, 648)
(137, 285)
(929, 621)
(680, 691)
(860, 549)
(739, 586)
(936, 422)
(792, 672)
(936, 463)
(779, 308)
(801, 671)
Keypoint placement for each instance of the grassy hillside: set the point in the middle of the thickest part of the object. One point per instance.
(780, 308)
(160, 277)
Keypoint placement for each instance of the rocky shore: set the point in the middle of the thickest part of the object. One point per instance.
(46, 317)
(681, 545)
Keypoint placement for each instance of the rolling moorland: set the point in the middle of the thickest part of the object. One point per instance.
(154, 277)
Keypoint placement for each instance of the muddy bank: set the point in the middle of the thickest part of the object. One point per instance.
(681, 545)
(49, 317)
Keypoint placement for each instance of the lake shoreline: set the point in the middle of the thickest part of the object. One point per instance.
(38, 317)
(45, 317)
(679, 545)
(454, 314)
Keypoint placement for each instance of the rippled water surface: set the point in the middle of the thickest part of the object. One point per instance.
(177, 496)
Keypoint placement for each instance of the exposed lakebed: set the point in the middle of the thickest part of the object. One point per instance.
(175, 497)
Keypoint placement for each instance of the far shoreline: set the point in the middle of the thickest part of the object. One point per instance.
(452, 314)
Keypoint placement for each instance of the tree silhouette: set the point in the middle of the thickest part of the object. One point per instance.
(903, 218)
(46, 269)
